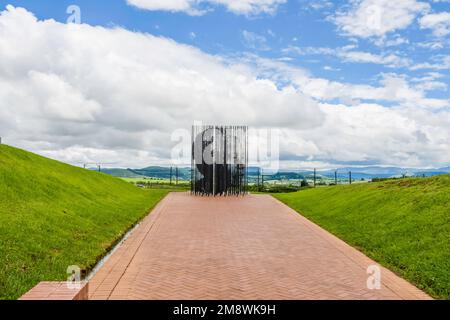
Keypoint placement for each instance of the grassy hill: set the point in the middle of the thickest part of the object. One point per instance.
(120, 173)
(53, 215)
(403, 224)
(163, 172)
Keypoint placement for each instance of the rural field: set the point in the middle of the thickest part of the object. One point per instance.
(54, 215)
(158, 183)
(403, 224)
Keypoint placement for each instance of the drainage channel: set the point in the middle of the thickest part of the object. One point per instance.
(101, 263)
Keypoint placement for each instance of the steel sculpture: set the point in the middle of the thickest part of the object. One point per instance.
(219, 160)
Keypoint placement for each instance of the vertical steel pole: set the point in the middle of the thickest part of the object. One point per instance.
(192, 160)
(262, 180)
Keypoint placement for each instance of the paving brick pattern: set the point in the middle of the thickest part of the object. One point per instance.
(57, 291)
(251, 247)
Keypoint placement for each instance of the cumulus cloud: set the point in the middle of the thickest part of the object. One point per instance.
(414, 131)
(376, 18)
(78, 87)
(350, 54)
(198, 7)
(368, 132)
(80, 93)
(436, 62)
(393, 88)
(438, 22)
(395, 41)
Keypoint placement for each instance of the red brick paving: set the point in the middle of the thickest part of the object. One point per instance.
(251, 247)
(57, 291)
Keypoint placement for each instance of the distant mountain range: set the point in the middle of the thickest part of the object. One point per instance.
(154, 172)
(385, 172)
(368, 173)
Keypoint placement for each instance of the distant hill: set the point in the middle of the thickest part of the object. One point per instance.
(253, 171)
(121, 173)
(285, 176)
(53, 215)
(163, 172)
(358, 173)
(153, 172)
(372, 172)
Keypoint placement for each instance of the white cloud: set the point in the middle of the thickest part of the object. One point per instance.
(432, 45)
(430, 82)
(170, 5)
(438, 22)
(395, 41)
(66, 89)
(368, 132)
(330, 68)
(197, 7)
(438, 62)
(392, 88)
(350, 54)
(377, 18)
(316, 5)
(390, 60)
(414, 131)
(254, 41)
(119, 100)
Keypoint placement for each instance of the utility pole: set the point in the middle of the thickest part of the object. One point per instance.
(314, 177)
(176, 170)
(350, 177)
(170, 175)
(299, 180)
(335, 177)
(259, 179)
(99, 168)
(262, 181)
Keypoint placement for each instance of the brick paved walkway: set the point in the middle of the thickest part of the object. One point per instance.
(237, 248)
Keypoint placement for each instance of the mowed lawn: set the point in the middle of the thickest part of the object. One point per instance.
(403, 224)
(53, 215)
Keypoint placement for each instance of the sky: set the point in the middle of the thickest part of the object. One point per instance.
(351, 82)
